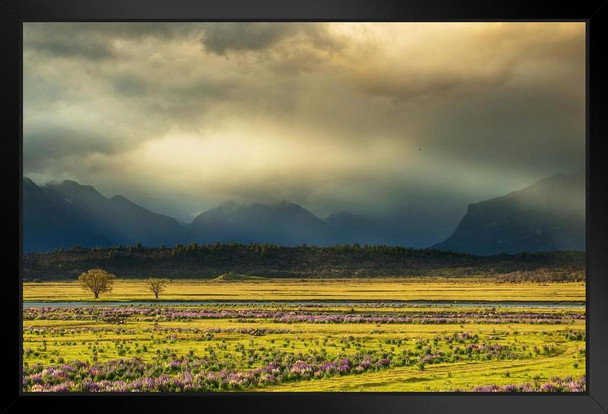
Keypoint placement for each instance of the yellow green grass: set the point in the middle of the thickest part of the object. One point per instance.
(569, 358)
(335, 289)
(234, 339)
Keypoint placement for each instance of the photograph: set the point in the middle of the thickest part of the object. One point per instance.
(304, 207)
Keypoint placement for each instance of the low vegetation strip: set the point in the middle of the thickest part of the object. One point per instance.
(293, 314)
(557, 384)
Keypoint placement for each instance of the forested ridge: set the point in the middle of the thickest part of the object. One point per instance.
(208, 261)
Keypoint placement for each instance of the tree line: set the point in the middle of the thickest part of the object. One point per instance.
(194, 261)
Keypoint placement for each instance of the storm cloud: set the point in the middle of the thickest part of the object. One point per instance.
(408, 120)
(221, 38)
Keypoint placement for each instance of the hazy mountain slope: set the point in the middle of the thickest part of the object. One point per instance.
(50, 222)
(548, 215)
(349, 228)
(284, 223)
(147, 227)
(124, 220)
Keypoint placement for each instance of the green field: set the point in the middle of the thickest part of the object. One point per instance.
(361, 345)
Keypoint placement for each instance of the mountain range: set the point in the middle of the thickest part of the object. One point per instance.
(548, 215)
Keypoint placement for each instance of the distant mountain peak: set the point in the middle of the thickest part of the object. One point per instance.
(72, 184)
(72, 189)
(67, 213)
(284, 223)
(547, 215)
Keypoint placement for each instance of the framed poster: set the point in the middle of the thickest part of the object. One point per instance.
(375, 207)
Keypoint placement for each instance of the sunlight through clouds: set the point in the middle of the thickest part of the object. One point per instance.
(365, 117)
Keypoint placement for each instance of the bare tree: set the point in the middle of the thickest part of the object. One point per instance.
(97, 281)
(156, 286)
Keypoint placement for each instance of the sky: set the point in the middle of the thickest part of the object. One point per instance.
(408, 122)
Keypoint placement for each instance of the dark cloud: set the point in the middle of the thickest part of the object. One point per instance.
(48, 144)
(87, 49)
(94, 41)
(221, 38)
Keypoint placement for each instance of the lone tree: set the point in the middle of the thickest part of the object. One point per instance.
(97, 281)
(157, 286)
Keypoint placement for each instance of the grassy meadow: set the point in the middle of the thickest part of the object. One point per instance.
(315, 335)
(376, 289)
